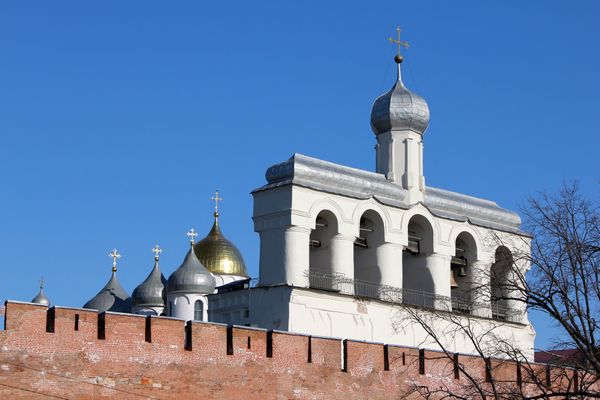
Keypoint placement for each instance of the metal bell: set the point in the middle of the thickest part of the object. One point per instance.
(453, 284)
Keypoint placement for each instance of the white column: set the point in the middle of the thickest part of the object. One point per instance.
(409, 170)
(342, 255)
(439, 267)
(389, 259)
(296, 255)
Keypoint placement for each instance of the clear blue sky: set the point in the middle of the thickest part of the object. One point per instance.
(119, 119)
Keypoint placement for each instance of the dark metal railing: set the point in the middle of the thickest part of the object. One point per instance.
(339, 283)
(462, 304)
(500, 310)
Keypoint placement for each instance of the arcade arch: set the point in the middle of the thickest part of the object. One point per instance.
(417, 279)
(462, 272)
(367, 263)
(499, 282)
(320, 255)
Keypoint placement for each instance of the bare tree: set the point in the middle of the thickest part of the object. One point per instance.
(563, 282)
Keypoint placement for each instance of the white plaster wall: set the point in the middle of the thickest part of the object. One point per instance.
(182, 305)
(321, 313)
(229, 307)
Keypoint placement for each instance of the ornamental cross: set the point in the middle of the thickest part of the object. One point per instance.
(216, 199)
(115, 256)
(156, 250)
(192, 235)
(398, 41)
(42, 282)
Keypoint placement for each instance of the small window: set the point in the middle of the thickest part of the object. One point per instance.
(198, 310)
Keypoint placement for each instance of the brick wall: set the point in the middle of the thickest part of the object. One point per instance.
(75, 353)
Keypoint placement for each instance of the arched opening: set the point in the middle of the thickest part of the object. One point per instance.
(461, 280)
(320, 268)
(418, 284)
(499, 282)
(367, 272)
(198, 310)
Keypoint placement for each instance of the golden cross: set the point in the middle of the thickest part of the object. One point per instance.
(115, 256)
(192, 234)
(156, 250)
(399, 42)
(217, 199)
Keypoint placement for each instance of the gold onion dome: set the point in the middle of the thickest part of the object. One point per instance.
(218, 254)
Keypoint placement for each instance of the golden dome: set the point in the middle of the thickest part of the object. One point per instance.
(218, 254)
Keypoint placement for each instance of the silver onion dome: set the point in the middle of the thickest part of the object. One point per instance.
(399, 109)
(112, 297)
(151, 292)
(41, 298)
(191, 277)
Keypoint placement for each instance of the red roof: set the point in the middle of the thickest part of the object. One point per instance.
(557, 356)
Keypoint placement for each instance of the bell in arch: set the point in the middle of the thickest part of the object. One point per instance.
(460, 264)
(453, 284)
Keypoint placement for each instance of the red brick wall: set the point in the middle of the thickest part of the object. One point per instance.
(71, 363)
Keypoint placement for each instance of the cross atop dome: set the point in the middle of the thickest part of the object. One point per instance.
(398, 58)
(115, 256)
(192, 235)
(217, 199)
(156, 250)
(41, 297)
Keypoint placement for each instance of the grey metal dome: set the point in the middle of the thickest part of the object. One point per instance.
(399, 109)
(41, 298)
(191, 277)
(112, 297)
(151, 292)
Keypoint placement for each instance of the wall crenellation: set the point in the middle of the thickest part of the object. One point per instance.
(129, 351)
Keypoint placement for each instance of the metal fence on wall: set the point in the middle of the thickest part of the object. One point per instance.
(339, 283)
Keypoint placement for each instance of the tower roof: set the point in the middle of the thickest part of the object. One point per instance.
(399, 109)
(112, 297)
(41, 297)
(191, 276)
(151, 292)
(218, 254)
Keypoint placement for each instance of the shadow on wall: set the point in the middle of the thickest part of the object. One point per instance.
(415, 261)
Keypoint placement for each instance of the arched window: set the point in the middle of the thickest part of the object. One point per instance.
(320, 268)
(198, 310)
(367, 270)
(499, 282)
(462, 279)
(417, 279)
